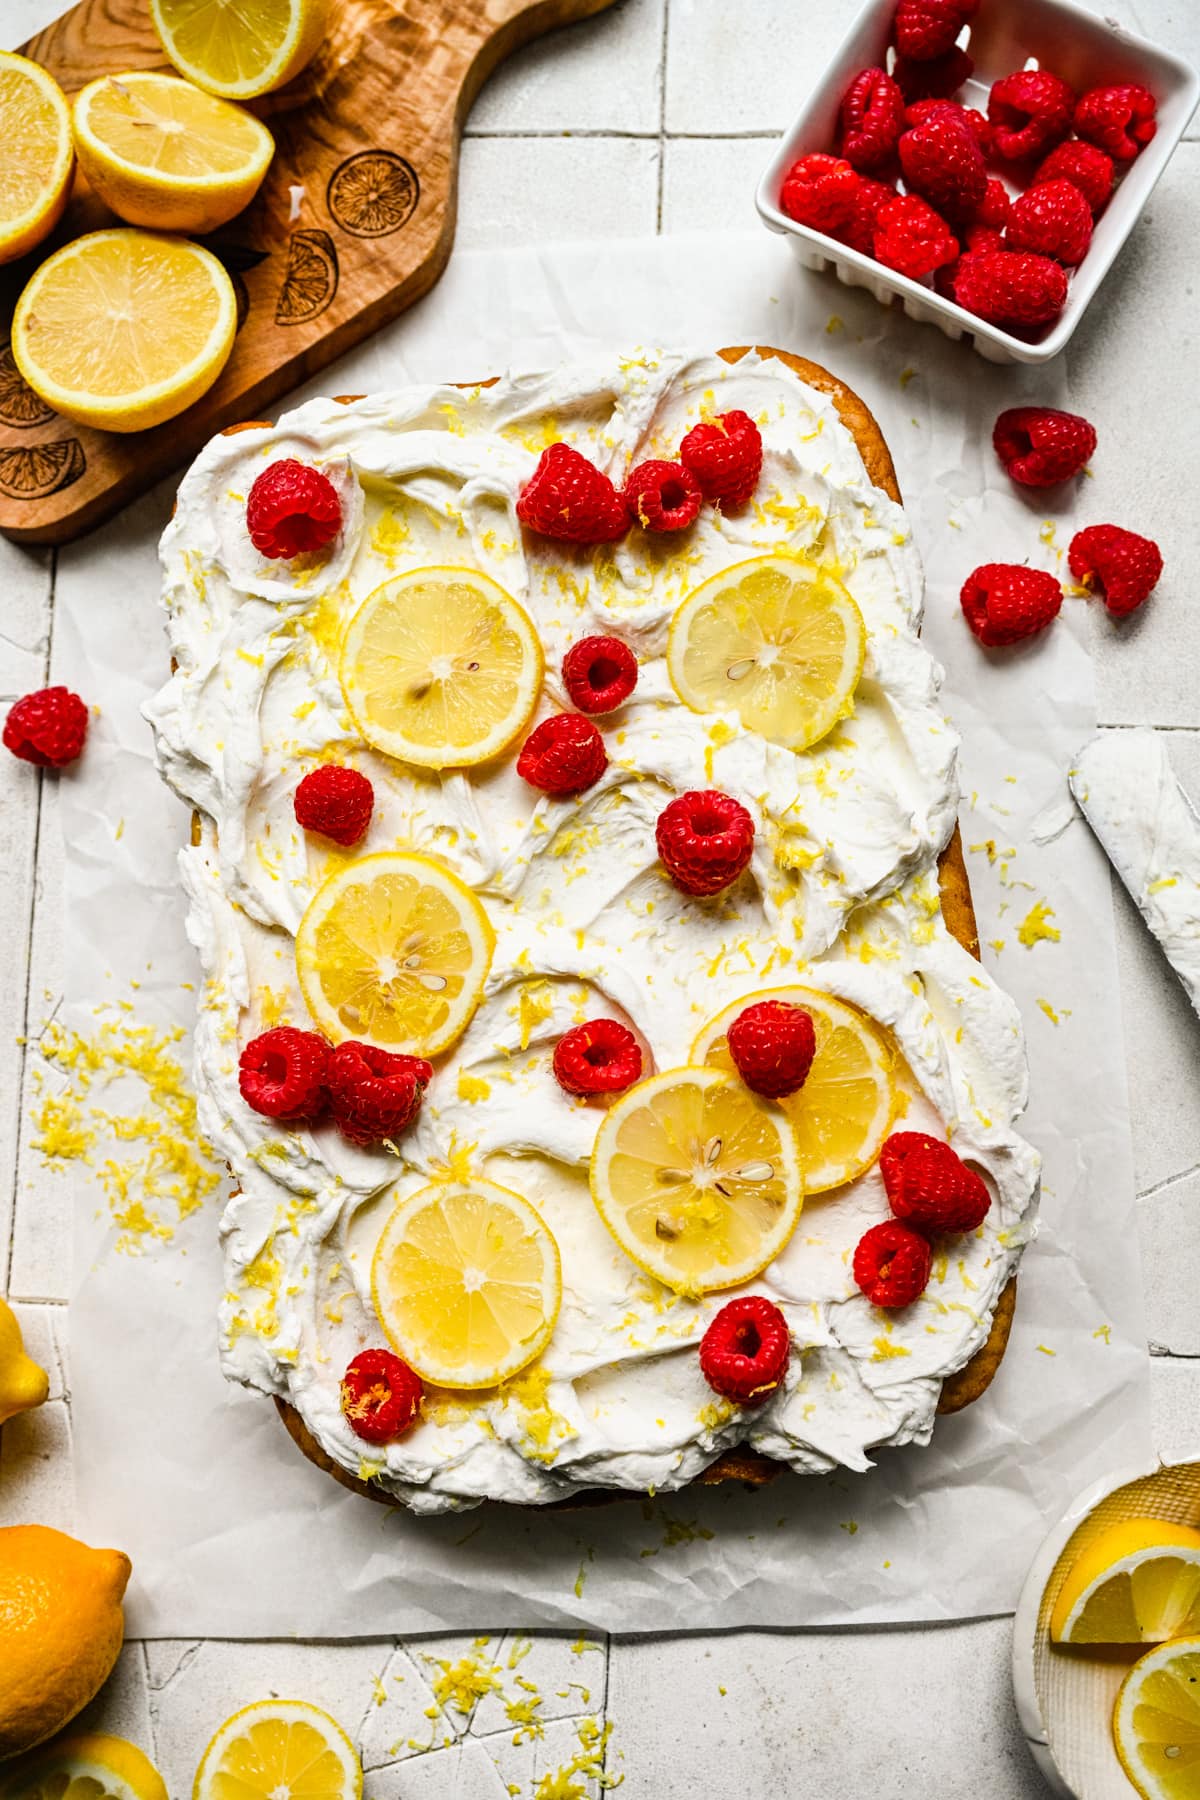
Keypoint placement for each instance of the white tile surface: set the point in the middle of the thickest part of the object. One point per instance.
(603, 74)
(799, 1712)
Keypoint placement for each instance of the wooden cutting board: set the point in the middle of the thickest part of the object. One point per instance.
(354, 222)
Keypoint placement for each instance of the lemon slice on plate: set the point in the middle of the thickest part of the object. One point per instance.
(279, 1747)
(467, 1283)
(1156, 1722)
(1138, 1582)
(843, 1112)
(39, 157)
(441, 667)
(395, 950)
(244, 49)
(778, 641)
(87, 1766)
(122, 330)
(162, 153)
(698, 1181)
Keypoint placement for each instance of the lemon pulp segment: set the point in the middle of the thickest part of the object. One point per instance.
(699, 1182)
(394, 949)
(122, 329)
(467, 1283)
(776, 640)
(441, 667)
(844, 1111)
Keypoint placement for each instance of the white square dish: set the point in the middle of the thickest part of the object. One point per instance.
(1086, 51)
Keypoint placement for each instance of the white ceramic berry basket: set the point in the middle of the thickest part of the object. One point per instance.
(1004, 35)
(1065, 1698)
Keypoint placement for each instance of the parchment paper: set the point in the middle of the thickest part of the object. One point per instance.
(231, 1532)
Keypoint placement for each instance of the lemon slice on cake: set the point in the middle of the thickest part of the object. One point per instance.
(778, 641)
(441, 667)
(162, 153)
(279, 1747)
(39, 157)
(88, 1766)
(1138, 1582)
(244, 49)
(395, 950)
(699, 1182)
(467, 1283)
(845, 1109)
(1156, 1722)
(123, 329)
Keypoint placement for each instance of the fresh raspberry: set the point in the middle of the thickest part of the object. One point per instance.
(1030, 112)
(970, 116)
(929, 1186)
(725, 455)
(283, 1073)
(292, 510)
(1090, 169)
(1121, 566)
(569, 498)
(1005, 602)
(599, 674)
(375, 1094)
(995, 207)
(925, 29)
(47, 728)
(663, 496)
(1118, 119)
(705, 841)
(1052, 219)
(772, 1045)
(336, 801)
(860, 232)
(601, 1057)
(1010, 287)
(891, 1264)
(563, 755)
(380, 1395)
(912, 238)
(818, 191)
(944, 164)
(1040, 446)
(871, 117)
(978, 240)
(937, 79)
(744, 1353)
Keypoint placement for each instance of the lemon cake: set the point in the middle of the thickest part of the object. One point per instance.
(609, 1090)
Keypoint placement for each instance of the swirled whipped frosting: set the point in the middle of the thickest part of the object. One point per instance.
(842, 895)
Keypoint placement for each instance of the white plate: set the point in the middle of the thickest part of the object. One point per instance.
(1055, 34)
(1065, 1697)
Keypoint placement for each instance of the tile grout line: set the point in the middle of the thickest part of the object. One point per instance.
(23, 1058)
(663, 43)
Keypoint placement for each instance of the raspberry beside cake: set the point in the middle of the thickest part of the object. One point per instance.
(641, 867)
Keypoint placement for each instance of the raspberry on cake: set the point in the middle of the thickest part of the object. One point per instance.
(560, 1146)
(292, 510)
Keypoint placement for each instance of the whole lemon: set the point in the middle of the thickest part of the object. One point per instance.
(61, 1628)
(22, 1383)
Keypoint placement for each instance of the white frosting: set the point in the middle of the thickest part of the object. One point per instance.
(841, 894)
(1131, 798)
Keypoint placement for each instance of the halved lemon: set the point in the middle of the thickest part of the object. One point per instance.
(776, 640)
(87, 1766)
(467, 1283)
(162, 153)
(279, 1748)
(844, 1110)
(122, 329)
(1136, 1583)
(1156, 1722)
(699, 1182)
(39, 157)
(395, 950)
(441, 667)
(244, 49)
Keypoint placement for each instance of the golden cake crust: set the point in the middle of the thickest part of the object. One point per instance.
(974, 1378)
